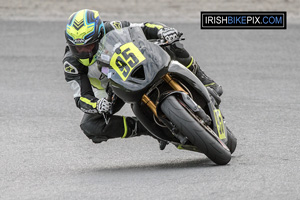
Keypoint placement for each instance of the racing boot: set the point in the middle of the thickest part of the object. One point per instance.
(207, 81)
(162, 144)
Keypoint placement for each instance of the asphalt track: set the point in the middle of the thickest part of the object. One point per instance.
(44, 155)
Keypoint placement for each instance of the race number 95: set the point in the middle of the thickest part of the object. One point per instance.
(126, 60)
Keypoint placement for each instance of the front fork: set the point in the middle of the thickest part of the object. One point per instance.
(184, 94)
(172, 83)
(186, 99)
(167, 78)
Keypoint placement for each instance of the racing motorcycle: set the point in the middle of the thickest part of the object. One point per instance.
(165, 96)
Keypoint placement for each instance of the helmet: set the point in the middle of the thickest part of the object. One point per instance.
(83, 33)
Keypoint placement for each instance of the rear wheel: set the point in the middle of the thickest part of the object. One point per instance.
(196, 134)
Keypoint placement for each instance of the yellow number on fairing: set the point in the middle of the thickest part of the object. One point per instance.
(124, 62)
(220, 124)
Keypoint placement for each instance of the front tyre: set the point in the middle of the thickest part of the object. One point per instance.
(196, 134)
(232, 141)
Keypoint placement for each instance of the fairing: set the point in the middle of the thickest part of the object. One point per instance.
(136, 62)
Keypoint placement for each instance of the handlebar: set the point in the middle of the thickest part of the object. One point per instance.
(162, 42)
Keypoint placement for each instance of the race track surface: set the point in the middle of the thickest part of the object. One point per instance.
(44, 154)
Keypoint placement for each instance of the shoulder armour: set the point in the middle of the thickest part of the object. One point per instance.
(111, 25)
(72, 65)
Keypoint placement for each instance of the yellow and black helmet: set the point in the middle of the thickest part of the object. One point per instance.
(83, 33)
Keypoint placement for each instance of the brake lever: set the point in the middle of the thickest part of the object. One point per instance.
(167, 43)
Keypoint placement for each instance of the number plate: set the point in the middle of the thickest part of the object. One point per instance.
(125, 61)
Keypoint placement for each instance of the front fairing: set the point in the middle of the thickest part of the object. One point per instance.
(134, 63)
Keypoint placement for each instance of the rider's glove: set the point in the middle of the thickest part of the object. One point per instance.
(103, 105)
(168, 34)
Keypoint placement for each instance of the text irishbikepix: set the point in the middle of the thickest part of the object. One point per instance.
(243, 20)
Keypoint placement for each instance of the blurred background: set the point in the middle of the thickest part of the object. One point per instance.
(45, 155)
(137, 10)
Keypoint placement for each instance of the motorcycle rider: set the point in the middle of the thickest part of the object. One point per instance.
(83, 73)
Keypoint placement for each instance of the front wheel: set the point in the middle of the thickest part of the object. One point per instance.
(196, 134)
(232, 141)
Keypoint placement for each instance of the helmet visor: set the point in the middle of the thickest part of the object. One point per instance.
(84, 51)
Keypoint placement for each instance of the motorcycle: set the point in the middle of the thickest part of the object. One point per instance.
(165, 96)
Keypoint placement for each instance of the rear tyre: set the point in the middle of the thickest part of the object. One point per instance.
(196, 134)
